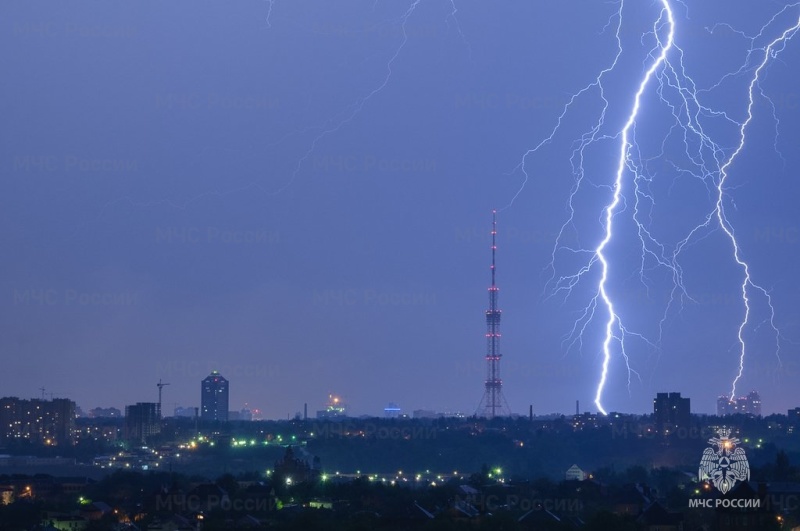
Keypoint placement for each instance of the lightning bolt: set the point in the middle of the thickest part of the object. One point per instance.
(329, 127)
(770, 51)
(706, 160)
(349, 114)
(271, 4)
(353, 110)
(615, 331)
(614, 324)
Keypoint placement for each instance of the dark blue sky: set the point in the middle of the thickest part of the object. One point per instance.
(302, 202)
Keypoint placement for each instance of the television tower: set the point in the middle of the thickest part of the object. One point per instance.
(493, 403)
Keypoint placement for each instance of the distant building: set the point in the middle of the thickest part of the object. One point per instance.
(575, 473)
(142, 421)
(744, 405)
(214, 398)
(105, 412)
(431, 414)
(725, 407)
(335, 409)
(244, 414)
(61, 422)
(49, 422)
(584, 421)
(186, 412)
(392, 411)
(794, 416)
(295, 469)
(753, 402)
(671, 412)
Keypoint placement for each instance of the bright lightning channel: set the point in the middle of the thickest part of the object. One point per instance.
(625, 146)
(710, 165)
(614, 328)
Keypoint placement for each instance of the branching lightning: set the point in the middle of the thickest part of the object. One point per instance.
(614, 324)
(318, 131)
(627, 183)
(709, 161)
(349, 114)
(323, 130)
(770, 51)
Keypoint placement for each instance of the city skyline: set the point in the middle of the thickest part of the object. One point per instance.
(182, 409)
(299, 199)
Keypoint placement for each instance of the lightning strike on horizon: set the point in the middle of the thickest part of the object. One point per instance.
(614, 328)
(770, 51)
(718, 212)
(625, 146)
(709, 164)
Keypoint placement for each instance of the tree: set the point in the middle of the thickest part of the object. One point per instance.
(783, 469)
(636, 474)
(606, 521)
(228, 483)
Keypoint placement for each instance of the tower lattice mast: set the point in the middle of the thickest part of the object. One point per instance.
(493, 403)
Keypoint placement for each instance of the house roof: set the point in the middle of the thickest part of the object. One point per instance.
(657, 514)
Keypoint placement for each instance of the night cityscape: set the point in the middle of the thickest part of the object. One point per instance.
(252, 247)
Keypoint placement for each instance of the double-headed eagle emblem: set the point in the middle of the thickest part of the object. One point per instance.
(726, 465)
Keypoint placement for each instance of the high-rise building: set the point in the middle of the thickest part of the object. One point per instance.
(62, 419)
(49, 422)
(725, 406)
(744, 405)
(671, 412)
(214, 397)
(750, 404)
(142, 421)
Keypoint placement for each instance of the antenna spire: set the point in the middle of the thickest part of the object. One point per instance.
(493, 401)
(494, 243)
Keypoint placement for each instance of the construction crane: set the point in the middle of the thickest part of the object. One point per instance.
(160, 386)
